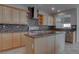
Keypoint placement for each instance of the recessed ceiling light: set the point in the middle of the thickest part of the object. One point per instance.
(53, 8)
(58, 10)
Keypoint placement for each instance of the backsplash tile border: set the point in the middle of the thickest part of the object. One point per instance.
(13, 28)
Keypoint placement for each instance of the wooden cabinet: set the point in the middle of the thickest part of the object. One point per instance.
(12, 40)
(0, 42)
(7, 15)
(16, 40)
(29, 43)
(6, 41)
(41, 19)
(1, 14)
(22, 38)
(23, 17)
(15, 16)
(42, 45)
(50, 21)
(10, 15)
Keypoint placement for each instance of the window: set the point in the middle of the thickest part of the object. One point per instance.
(68, 25)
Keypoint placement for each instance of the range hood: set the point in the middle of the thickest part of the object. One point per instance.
(32, 16)
(33, 13)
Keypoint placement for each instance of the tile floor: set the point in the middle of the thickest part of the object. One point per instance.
(69, 49)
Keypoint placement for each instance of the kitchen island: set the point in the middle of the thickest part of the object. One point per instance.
(45, 43)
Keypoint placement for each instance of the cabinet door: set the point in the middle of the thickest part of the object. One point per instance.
(0, 42)
(29, 43)
(51, 44)
(15, 16)
(1, 11)
(7, 15)
(22, 37)
(60, 43)
(41, 45)
(16, 40)
(7, 40)
(50, 21)
(23, 17)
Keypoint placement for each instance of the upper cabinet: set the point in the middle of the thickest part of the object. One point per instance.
(6, 15)
(10, 15)
(50, 20)
(1, 12)
(23, 17)
(45, 19)
(15, 16)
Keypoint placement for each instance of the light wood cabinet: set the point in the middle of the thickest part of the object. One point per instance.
(6, 41)
(29, 43)
(22, 38)
(42, 45)
(23, 17)
(16, 40)
(7, 15)
(15, 16)
(0, 42)
(1, 14)
(10, 15)
(11, 40)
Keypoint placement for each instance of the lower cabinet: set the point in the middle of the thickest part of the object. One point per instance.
(11, 40)
(29, 43)
(22, 38)
(0, 42)
(53, 44)
(6, 41)
(60, 43)
(42, 45)
(16, 40)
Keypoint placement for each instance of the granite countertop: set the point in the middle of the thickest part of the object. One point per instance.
(64, 29)
(42, 35)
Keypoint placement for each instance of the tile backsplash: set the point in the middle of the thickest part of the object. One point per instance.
(13, 28)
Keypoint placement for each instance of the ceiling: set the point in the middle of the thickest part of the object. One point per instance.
(47, 7)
